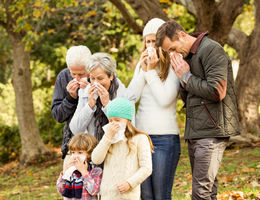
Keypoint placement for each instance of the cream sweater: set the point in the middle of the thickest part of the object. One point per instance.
(156, 114)
(119, 166)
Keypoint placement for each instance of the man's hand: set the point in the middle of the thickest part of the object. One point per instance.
(83, 83)
(123, 187)
(72, 88)
(179, 65)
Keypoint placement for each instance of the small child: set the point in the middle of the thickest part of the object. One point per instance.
(80, 179)
(126, 152)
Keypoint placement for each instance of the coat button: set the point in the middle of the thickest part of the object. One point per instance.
(202, 102)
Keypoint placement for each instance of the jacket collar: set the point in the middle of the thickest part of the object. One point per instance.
(199, 36)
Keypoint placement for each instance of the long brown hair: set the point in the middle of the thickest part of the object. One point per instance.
(164, 61)
(132, 131)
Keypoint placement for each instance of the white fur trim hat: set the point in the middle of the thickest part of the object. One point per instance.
(152, 26)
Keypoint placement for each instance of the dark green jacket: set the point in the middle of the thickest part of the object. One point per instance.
(209, 95)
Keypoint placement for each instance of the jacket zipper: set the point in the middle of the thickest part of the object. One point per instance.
(211, 119)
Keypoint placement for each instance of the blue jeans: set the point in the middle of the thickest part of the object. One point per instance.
(165, 158)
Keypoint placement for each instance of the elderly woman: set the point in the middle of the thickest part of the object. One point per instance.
(90, 115)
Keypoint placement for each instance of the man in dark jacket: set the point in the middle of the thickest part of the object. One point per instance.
(207, 88)
(65, 95)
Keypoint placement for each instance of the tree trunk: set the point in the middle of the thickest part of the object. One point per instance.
(247, 87)
(32, 143)
(247, 82)
(217, 17)
(145, 9)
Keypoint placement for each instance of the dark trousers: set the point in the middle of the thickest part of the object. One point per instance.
(165, 158)
(205, 158)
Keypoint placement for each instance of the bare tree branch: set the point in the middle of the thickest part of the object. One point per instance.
(236, 39)
(148, 9)
(189, 5)
(127, 16)
(229, 10)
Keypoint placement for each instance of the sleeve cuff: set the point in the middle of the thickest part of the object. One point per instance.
(104, 109)
(186, 76)
(90, 109)
(71, 99)
(106, 139)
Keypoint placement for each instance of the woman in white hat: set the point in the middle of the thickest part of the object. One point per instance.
(156, 86)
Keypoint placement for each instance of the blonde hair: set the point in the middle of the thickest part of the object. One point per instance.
(164, 62)
(83, 142)
(131, 131)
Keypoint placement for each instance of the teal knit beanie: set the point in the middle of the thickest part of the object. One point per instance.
(120, 107)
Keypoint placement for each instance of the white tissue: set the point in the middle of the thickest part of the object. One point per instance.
(120, 135)
(95, 96)
(80, 156)
(171, 53)
(68, 173)
(150, 50)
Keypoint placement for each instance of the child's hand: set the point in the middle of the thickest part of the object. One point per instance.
(81, 167)
(123, 187)
(70, 163)
(112, 130)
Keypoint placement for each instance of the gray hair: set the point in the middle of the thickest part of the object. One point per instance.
(104, 61)
(78, 56)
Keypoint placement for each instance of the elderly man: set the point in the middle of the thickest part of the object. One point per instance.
(206, 77)
(65, 95)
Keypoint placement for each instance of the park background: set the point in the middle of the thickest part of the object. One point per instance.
(34, 38)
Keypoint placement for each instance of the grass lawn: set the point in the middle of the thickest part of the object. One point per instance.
(239, 175)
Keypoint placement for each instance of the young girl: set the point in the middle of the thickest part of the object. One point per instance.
(80, 179)
(126, 152)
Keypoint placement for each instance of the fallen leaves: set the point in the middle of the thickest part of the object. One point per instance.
(248, 170)
(238, 195)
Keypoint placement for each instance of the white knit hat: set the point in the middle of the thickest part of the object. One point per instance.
(152, 26)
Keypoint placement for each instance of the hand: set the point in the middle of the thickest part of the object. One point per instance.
(70, 162)
(72, 88)
(179, 65)
(123, 187)
(91, 100)
(152, 59)
(81, 167)
(83, 83)
(112, 130)
(103, 94)
(143, 60)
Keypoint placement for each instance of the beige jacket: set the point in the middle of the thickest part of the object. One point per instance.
(119, 166)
